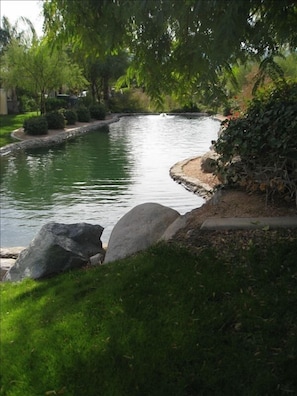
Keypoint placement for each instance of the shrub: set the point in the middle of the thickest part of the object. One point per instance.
(227, 111)
(36, 125)
(53, 104)
(97, 111)
(83, 114)
(258, 150)
(85, 101)
(129, 101)
(70, 117)
(27, 104)
(55, 120)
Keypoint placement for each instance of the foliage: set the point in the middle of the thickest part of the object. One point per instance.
(163, 322)
(55, 120)
(129, 100)
(176, 47)
(188, 108)
(288, 64)
(36, 125)
(40, 69)
(97, 111)
(253, 75)
(83, 114)
(102, 73)
(27, 104)
(268, 68)
(86, 100)
(264, 140)
(135, 100)
(22, 31)
(70, 116)
(52, 104)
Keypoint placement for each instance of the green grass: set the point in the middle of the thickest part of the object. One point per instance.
(164, 322)
(9, 123)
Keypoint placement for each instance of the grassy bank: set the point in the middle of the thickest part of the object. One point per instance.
(164, 322)
(9, 123)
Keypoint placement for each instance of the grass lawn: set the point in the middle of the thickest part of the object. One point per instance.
(9, 123)
(164, 322)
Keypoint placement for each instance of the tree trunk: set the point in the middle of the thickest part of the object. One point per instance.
(105, 84)
(42, 103)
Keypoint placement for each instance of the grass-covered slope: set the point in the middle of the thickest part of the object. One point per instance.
(161, 323)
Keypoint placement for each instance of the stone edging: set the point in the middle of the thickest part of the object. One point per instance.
(58, 138)
(193, 184)
(190, 183)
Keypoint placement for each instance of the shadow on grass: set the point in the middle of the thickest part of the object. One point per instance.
(164, 322)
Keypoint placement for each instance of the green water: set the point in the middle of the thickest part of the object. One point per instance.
(100, 176)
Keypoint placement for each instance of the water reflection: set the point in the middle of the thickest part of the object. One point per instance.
(51, 175)
(100, 176)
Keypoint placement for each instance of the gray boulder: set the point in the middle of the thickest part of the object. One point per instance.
(57, 248)
(179, 223)
(208, 161)
(138, 229)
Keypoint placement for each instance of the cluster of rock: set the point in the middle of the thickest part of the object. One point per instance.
(62, 247)
(208, 164)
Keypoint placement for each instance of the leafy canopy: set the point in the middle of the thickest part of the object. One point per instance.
(176, 44)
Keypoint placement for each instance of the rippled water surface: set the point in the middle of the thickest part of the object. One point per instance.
(100, 176)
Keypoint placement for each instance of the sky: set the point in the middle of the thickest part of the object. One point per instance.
(31, 9)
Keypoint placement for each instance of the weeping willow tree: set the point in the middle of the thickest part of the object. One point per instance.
(180, 47)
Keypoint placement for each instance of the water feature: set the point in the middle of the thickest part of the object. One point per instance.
(100, 176)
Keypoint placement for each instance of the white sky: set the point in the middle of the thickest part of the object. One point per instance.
(31, 9)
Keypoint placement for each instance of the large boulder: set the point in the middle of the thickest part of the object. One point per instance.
(138, 229)
(57, 248)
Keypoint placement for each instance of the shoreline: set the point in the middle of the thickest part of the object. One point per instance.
(53, 137)
(191, 183)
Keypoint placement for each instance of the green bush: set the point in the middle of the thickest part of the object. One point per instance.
(27, 104)
(85, 101)
(53, 104)
(83, 114)
(227, 111)
(55, 120)
(129, 101)
(70, 117)
(258, 151)
(97, 111)
(36, 125)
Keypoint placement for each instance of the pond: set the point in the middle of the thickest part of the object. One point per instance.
(100, 176)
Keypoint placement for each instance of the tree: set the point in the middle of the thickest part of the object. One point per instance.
(40, 70)
(101, 72)
(23, 33)
(177, 46)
